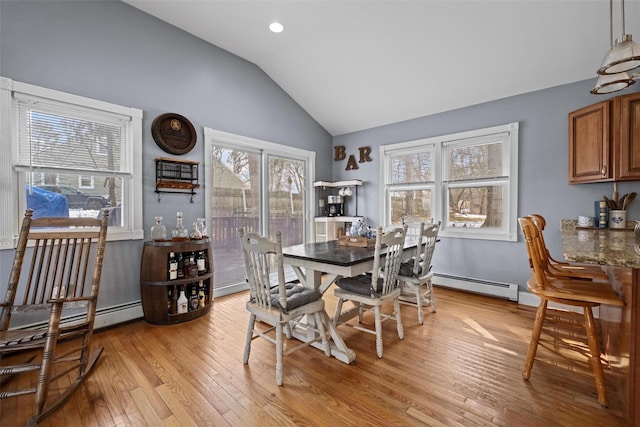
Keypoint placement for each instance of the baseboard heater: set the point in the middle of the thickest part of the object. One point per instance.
(105, 317)
(502, 290)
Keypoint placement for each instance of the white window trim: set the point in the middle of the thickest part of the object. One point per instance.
(213, 137)
(10, 182)
(91, 186)
(439, 206)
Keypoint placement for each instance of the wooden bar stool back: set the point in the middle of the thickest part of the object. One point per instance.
(561, 268)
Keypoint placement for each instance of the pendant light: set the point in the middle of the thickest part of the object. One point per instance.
(624, 56)
(609, 83)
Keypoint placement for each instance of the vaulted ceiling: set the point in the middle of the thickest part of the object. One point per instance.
(359, 64)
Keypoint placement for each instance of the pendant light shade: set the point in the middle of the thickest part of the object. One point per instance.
(624, 56)
(610, 83)
(621, 58)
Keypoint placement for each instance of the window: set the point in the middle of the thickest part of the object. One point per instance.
(86, 181)
(468, 181)
(69, 155)
(260, 186)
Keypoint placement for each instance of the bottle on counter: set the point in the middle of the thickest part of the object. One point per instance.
(180, 259)
(195, 232)
(179, 234)
(201, 295)
(202, 267)
(158, 231)
(173, 266)
(172, 300)
(194, 304)
(183, 302)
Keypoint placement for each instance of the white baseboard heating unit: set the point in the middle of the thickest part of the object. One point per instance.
(502, 290)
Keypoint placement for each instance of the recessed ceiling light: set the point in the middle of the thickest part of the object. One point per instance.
(276, 27)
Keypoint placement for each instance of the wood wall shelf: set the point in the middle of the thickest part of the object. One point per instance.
(176, 176)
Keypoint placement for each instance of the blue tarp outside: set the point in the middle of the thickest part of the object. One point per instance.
(46, 204)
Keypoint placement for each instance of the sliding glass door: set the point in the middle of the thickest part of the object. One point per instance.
(257, 187)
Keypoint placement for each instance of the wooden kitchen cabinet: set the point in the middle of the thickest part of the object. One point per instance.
(604, 141)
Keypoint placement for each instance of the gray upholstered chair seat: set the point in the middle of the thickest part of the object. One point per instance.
(297, 296)
(360, 284)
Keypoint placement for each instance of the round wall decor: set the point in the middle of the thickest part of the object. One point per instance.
(174, 133)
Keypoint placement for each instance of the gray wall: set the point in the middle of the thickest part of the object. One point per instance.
(113, 52)
(543, 175)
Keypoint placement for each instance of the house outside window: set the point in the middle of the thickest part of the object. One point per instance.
(467, 181)
(52, 152)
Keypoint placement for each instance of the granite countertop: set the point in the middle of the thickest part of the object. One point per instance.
(604, 246)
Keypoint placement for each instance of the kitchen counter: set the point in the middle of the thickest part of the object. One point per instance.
(619, 255)
(603, 246)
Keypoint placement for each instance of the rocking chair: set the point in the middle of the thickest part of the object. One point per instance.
(56, 270)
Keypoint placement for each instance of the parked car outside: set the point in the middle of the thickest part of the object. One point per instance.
(76, 198)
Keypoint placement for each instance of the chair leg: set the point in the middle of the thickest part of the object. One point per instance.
(279, 353)
(396, 309)
(432, 298)
(419, 304)
(535, 338)
(594, 348)
(378, 322)
(247, 344)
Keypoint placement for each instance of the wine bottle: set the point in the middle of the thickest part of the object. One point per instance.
(193, 298)
(173, 266)
(180, 259)
(172, 300)
(183, 303)
(201, 295)
(201, 263)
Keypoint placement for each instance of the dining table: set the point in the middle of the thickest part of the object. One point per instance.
(617, 251)
(318, 265)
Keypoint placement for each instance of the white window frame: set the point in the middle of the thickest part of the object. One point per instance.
(439, 187)
(13, 200)
(91, 179)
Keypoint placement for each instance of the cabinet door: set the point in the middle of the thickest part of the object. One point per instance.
(589, 143)
(629, 149)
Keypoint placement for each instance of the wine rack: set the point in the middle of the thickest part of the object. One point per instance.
(155, 282)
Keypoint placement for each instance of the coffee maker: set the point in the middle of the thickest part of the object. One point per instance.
(335, 206)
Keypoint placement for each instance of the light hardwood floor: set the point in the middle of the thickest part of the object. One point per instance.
(461, 368)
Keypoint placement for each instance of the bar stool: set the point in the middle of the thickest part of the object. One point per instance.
(569, 291)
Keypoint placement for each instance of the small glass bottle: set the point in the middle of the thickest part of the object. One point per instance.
(158, 231)
(195, 233)
(179, 234)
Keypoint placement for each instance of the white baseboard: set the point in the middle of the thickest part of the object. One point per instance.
(496, 289)
(118, 314)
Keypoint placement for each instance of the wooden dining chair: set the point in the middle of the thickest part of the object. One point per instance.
(283, 305)
(567, 291)
(368, 292)
(561, 268)
(415, 275)
(53, 285)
